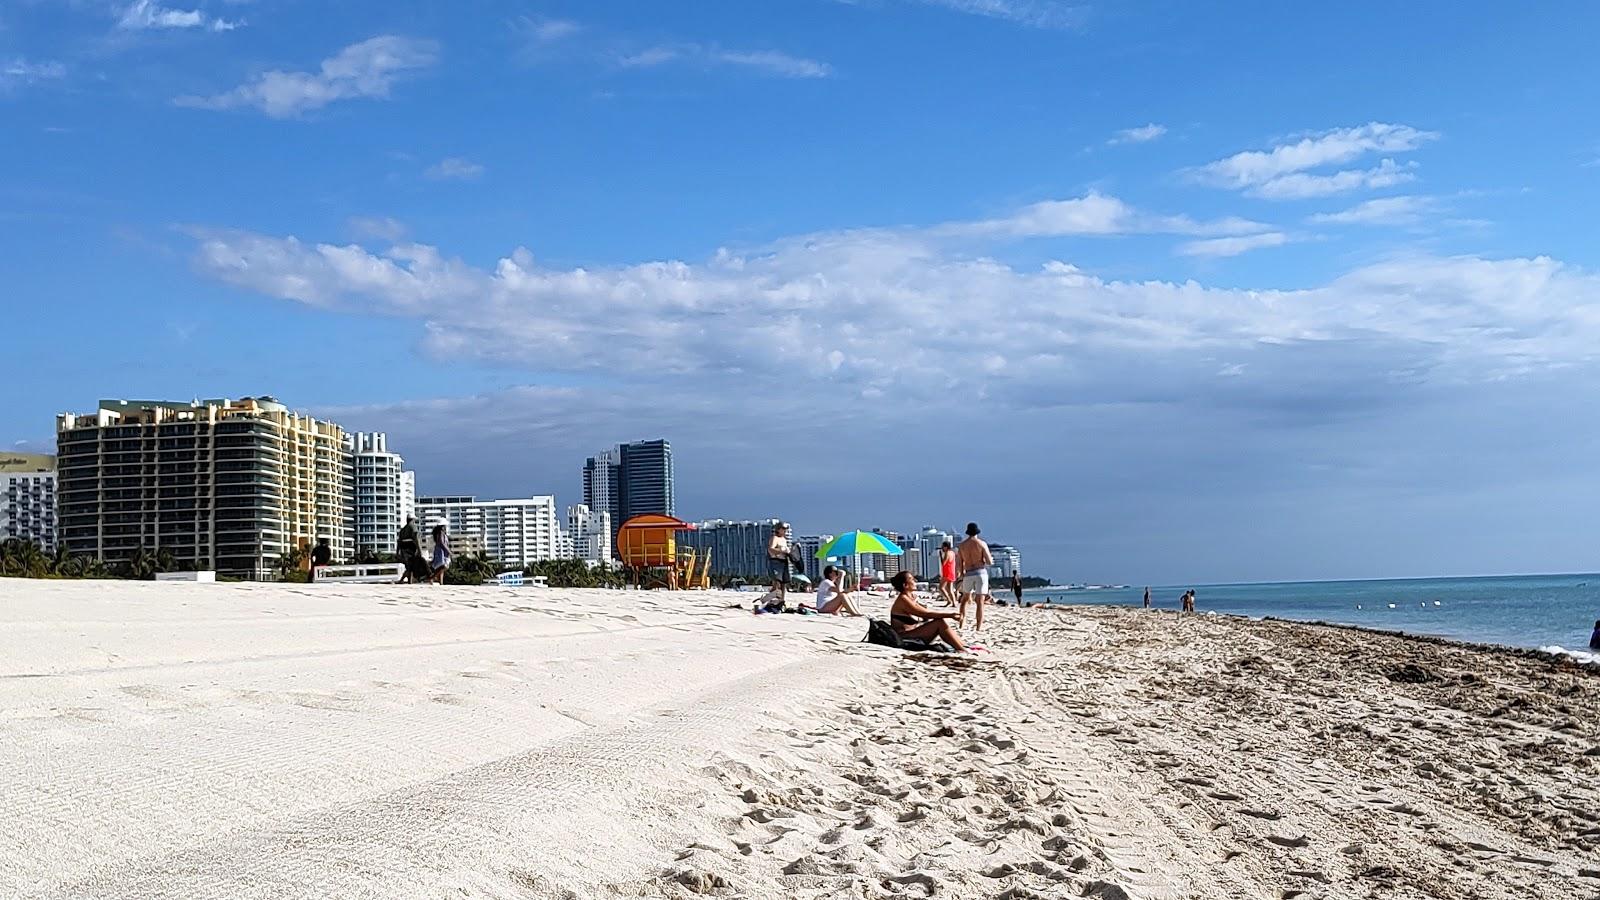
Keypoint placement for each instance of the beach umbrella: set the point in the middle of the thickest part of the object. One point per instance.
(800, 577)
(853, 542)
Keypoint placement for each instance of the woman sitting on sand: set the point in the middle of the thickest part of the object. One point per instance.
(911, 619)
(831, 598)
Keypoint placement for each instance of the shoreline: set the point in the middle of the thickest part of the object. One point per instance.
(289, 741)
(1581, 654)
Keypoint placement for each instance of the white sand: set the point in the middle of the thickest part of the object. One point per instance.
(235, 741)
(254, 740)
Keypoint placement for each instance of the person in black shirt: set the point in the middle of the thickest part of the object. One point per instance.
(407, 549)
(321, 555)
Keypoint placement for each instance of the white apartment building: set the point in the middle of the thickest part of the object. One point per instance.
(408, 495)
(1007, 560)
(808, 546)
(28, 499)
(924, 547)
(381, 505)
(514, 532)
(588, 534)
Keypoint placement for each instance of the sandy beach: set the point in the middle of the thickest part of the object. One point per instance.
(236, 741)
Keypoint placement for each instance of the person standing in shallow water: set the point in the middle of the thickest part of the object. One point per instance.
(1016, 586)
(1594, 639)
(1147, 598)
(1188, 601)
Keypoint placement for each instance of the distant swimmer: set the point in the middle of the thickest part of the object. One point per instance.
(1594, 638)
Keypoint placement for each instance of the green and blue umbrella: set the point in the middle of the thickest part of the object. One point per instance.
(853, 542)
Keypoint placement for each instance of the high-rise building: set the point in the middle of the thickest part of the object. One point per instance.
(28, 499)
(589, 534)
(885, 565)
(380, 492)
(630, 480)
(808, 545)
(408, 495)
(514, 532)
(600, 484)
(644, 479)
(737, 548)
(1007, 559)
(221, 484)
(924, 546)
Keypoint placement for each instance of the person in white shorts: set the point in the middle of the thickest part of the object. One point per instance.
(974, 559)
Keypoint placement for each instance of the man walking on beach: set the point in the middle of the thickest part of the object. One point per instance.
(407, 549)
(321, 555)
(974, 559)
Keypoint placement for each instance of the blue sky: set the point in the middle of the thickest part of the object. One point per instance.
(1156, 291)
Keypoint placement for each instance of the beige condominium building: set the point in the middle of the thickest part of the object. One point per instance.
(229, 485)
(28, 498)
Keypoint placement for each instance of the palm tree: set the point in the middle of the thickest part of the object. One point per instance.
(290, 565)
(141, 566)
(471, 569)
(23, 559)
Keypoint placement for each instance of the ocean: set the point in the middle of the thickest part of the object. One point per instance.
(1551, 612)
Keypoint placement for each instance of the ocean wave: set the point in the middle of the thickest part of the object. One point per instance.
(1583, 656)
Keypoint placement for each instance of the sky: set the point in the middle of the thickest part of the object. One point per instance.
(1157, 292)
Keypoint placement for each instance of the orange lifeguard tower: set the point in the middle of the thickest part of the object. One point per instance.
(648, 544)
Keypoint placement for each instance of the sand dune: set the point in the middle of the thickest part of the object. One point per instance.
(282, 741)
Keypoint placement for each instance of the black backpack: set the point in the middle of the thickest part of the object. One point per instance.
(882, 633)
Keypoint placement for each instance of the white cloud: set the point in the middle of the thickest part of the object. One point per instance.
(365, 70)
(1142, 134)
(1092, 214)
(813, 313)
(549, 30)
(770, 61)
(1032, 13)
(1281, 173)
(776, 63)
(381, 227)
(1233, 246)
(1404, 210)
(652, 56)
(454, 168)
(147, 14)
(19, 71)
(1302, 185)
